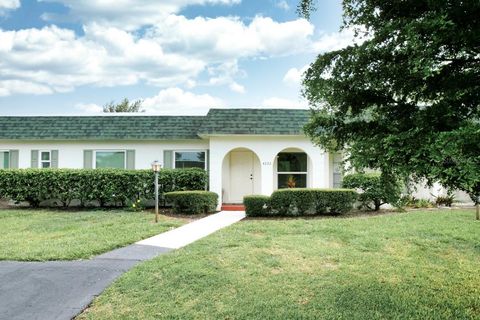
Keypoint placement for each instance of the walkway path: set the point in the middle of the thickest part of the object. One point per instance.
(62, 289)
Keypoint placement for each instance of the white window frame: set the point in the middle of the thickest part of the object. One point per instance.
(291, 172)
(9, 158)
(107, 150)
(189, 150)
(40, 161)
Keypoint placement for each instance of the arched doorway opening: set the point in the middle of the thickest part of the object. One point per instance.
(241, 175)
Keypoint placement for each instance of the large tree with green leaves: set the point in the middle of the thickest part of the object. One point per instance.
(123, 106)
(406, 100)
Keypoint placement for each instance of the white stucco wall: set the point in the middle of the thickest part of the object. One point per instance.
(70, 153)
(266, 148)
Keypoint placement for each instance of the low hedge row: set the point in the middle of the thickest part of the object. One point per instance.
(192, 202)
(301, 201)
(104, 187)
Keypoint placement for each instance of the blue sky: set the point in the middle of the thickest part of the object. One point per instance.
(178, 56)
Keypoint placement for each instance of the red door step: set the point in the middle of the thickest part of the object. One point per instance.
(233, 207)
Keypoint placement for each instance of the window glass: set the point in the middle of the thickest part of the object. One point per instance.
(110, 159)
(292, 162)
(4, 159)
(190, 159)
(292, 180)
(45, 159)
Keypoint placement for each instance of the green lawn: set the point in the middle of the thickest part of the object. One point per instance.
(60, 235)
(418, 265)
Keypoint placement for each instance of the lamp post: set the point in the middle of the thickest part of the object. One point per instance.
(156, 166)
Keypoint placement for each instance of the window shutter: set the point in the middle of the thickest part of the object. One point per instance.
(88, 159)
(13, 159)
(54, 159)
(131, 159)
(34, 159)
(168, 159)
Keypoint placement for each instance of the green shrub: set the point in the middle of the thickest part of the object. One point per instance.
(412, 202)
(375, 189)
(302, 201)
(257, 205)
(446, 200)
(105, 187)
(192, 202)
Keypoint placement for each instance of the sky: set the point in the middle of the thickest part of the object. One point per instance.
(181, 57)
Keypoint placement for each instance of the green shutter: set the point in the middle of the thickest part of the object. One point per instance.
(34, 159)
(168, 159)
(88, 159)
(131, 159)
(54, 158)
(14, 159)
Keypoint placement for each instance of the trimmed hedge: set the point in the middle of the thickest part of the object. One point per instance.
(105, 187)
(256, 205)
(192, 202)
(302, 201)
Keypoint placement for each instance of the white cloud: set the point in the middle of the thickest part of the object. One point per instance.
(89, 107)
(294, 76)
(129, 14)
(56, 60)
(336, 40)
(7, 5)
(227, 38)
(175, 101)
(236, 87)
(282, 5)
(9, 87)
(276, 102)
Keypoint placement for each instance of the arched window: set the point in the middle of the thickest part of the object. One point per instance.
(292, 170)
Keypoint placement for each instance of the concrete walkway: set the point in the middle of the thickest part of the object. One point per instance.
(62, 289)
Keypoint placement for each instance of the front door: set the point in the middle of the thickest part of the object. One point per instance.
(241, 175)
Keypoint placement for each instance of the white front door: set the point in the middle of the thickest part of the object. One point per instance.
(241, 175)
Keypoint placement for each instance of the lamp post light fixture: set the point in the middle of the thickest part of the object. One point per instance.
(156, 166)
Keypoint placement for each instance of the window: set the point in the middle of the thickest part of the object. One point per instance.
(110, 159)
(45, 159)
(190, 159)
(292, 170)
(4, 159)
(337, 170)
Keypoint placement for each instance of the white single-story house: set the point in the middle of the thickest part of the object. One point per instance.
(246, 151)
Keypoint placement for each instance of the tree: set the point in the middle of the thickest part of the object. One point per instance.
(123, 106)
(406, 100)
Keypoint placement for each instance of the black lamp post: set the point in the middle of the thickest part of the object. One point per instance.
(156, 166)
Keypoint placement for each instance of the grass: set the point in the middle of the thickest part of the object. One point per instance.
(39, 235)
(418, 265)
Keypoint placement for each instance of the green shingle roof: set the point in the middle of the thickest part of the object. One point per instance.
(254, 121)
(125, 127)
(100, 127)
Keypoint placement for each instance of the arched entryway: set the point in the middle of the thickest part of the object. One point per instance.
(241, 175)
(292, 169)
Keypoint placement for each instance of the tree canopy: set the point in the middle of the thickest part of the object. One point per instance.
(124, 106)
(406, 100)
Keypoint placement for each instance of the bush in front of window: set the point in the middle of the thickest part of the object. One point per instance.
(375, 189)
(92, 187)
(192, 202)
(304, 201)
(257, 205)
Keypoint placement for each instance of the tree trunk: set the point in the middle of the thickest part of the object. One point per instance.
(478, 211)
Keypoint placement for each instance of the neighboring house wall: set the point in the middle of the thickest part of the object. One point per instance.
(71, 153)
